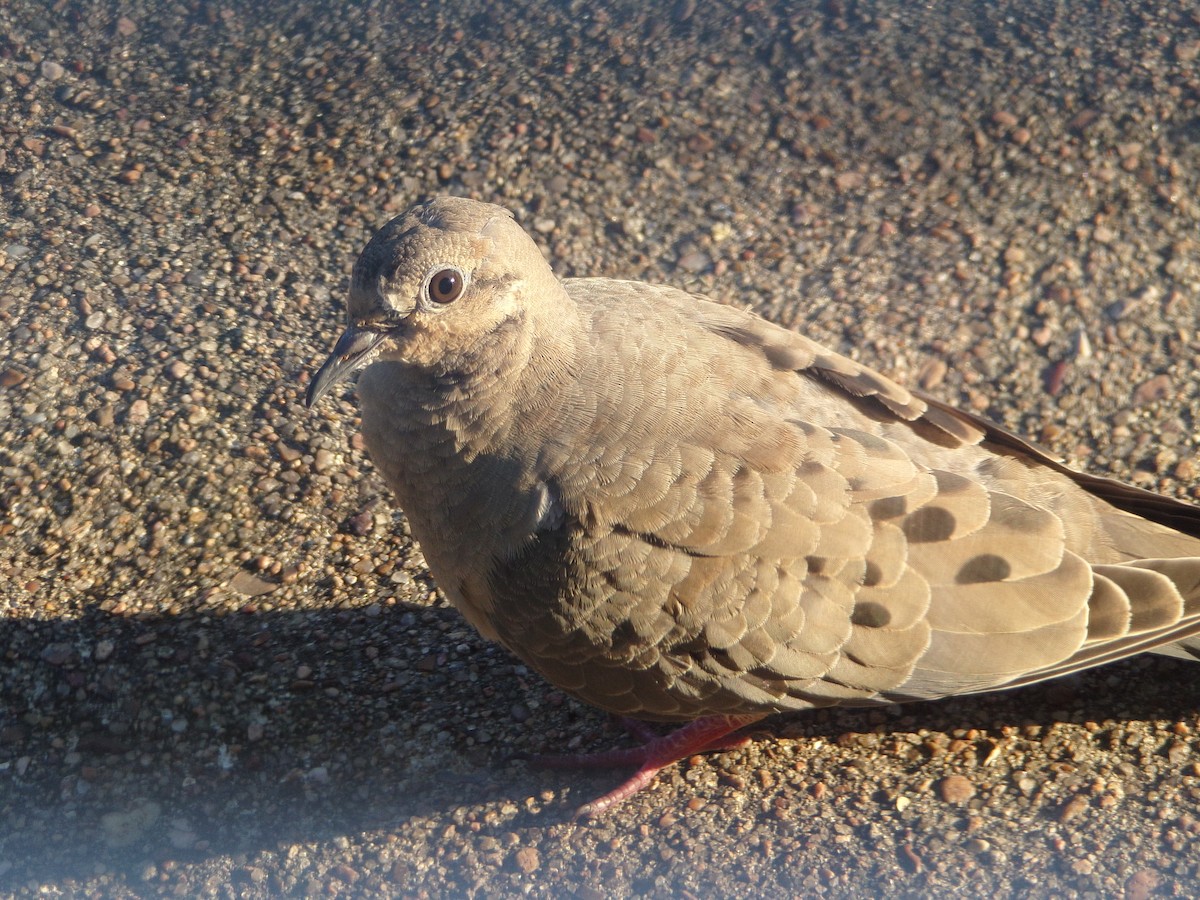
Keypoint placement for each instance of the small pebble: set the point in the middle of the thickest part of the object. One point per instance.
(1073, 808)
(1156, 388)
(177, 369)
(848, 181)
(932, 373)
(956, 789)
(528, 860)
(694, 261)
(58, 654)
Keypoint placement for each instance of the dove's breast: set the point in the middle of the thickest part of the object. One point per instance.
(468, 502)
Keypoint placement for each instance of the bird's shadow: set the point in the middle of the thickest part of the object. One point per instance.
(134, 740)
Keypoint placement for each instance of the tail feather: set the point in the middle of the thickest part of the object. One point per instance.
(1184, 574)
(1161, 599)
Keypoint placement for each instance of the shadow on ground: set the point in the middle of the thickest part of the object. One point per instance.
(139, 740)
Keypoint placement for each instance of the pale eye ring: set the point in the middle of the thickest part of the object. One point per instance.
(445, 285)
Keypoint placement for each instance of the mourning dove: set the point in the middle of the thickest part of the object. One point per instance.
(675, 510)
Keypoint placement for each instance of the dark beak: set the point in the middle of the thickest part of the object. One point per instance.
(351, 353)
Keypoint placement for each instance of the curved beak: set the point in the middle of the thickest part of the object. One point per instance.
(352, 352)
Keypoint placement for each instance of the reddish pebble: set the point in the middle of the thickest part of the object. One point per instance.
(956, 789)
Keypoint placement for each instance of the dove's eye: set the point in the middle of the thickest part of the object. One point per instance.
(445, 285)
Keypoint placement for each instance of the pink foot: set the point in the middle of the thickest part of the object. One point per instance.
(658, 752)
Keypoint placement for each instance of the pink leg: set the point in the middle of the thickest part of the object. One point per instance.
(658, 752)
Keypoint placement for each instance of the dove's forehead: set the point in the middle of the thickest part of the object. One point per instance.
(449, 231)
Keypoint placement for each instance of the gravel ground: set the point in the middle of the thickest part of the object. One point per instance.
(225, 667)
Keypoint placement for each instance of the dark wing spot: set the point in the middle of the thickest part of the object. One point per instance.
(870, 615)
(929, 524)
(983, 568)
(871, 574)
(889, 507)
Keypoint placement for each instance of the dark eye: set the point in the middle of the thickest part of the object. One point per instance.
(445, 286)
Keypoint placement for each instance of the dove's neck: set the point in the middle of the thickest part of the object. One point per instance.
(483, 395)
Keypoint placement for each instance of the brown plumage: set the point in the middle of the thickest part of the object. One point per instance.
(676, 510)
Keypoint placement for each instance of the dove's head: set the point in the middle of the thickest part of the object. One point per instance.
(436, 284)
